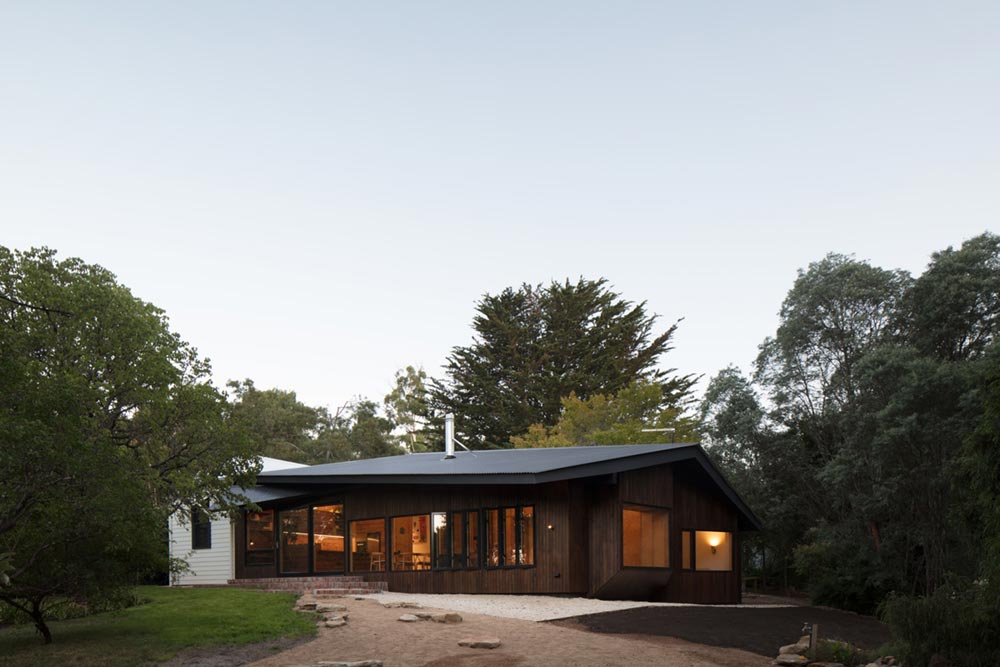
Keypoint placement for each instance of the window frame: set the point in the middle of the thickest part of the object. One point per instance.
(621, 542)
(694, 548)
(201, 529)
(449, 539)
(502, 537)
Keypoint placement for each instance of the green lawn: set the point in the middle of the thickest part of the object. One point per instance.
(174, 619)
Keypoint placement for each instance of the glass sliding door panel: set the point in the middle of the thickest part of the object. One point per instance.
(293, 541)
(442, 546)
(527, 536)
(328, 538)
(368, 545)
(411, 542)
(459, 558)
(472, 530)
(510, 535)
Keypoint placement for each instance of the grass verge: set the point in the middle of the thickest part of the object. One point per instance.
(174, 619)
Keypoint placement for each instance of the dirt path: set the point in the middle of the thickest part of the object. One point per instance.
(373, 631)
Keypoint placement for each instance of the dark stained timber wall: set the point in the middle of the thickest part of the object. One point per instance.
(699, 505)
(577, 529)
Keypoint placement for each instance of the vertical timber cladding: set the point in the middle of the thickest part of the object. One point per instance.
(645, 486)
(552, 572)
(699, 505)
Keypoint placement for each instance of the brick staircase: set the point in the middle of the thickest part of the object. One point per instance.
(322, 587)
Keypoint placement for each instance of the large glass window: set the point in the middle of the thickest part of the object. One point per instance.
(368, 545)
(510, 536)
(411, 542)
(201, 529)
(713, 550)
(645, 536)
(293, 542)
(260, 538)
(328, 538)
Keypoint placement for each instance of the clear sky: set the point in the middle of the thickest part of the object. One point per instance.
(318, 192)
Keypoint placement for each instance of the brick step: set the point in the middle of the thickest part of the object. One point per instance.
(304, 580)
(329, 593)
(308, 584)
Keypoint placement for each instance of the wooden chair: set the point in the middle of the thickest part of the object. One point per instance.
(378, 561)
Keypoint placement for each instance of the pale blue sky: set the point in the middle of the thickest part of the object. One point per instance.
(317, 192)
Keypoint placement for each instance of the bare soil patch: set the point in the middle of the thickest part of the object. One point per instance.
(373, 632)
(232, 656)
(758, 630)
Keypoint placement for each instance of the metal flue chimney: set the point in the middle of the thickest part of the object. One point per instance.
(449, 436)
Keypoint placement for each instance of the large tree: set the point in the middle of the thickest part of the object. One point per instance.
(108, 422)
(535, 345)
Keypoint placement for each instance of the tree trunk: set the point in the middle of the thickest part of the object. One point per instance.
(39, 618)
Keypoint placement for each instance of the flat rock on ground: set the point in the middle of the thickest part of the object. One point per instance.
(481, 642)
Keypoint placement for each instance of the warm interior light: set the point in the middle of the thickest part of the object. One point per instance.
(714, 541)
(549, 526)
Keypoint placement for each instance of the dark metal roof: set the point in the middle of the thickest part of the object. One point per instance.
(479, 462)
(500, 466)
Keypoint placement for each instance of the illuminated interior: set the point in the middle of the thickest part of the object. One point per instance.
(411, 543)
(368, 545)
(645, 536)
(713, 550)
(328, 538)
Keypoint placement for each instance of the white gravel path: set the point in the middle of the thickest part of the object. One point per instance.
(528, 607)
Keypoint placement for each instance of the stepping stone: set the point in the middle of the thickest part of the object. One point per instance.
(335, 617)
(335, 623)
(424, 615)
(408, 618)
(789, 659)
(482, 642)
(358, 663)
(448, 617)
(325, 608)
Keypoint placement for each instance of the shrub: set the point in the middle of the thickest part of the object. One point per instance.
(959, 621)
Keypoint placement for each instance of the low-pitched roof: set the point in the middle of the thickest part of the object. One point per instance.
(496, 466)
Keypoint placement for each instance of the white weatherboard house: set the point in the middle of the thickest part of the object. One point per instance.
(207, 543)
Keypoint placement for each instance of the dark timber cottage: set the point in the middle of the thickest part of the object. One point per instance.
(654, 522)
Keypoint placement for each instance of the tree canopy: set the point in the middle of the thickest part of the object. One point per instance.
(850, 437)
(108, 422)
(536, 345)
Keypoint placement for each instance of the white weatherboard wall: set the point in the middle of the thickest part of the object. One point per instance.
(211, 566)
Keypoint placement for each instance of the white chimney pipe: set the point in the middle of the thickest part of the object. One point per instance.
(449, 436)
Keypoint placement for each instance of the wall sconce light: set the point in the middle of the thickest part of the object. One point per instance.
(549, 527)
(714, 541)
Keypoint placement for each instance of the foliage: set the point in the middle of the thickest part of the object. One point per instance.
(959, 621)
(281, 426)
(108, 423)
(536, 345)
(406, 407)
(174, 619)
(635, 415)
(849, 439)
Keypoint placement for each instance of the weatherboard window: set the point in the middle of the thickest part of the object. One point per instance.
(645, 536)
(201, 529)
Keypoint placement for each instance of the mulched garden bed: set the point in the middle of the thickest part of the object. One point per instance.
(758, 630)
